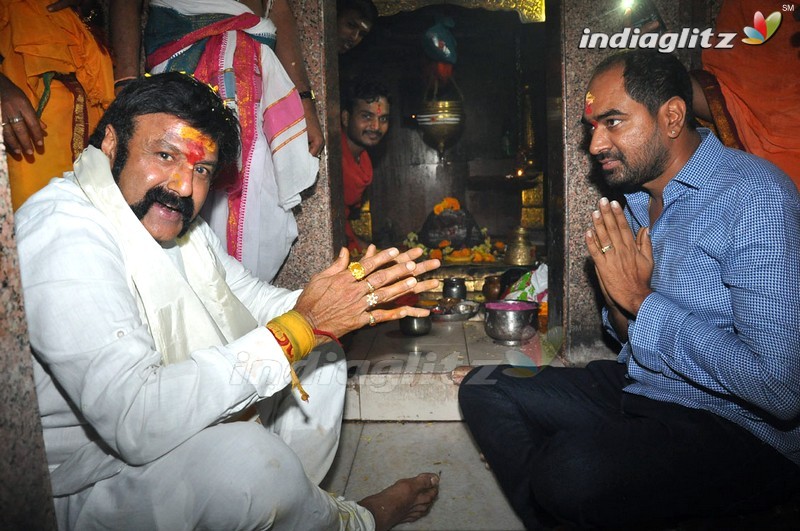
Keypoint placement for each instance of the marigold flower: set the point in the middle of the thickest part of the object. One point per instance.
(436, 253)
(448, 203)
(443, 244)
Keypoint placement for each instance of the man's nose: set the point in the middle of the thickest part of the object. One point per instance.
(181, 181)
(599, 142)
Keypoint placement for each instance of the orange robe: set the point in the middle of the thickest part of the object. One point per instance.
(761, 84)
(34, 41)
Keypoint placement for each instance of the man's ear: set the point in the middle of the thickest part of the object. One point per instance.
(109, 143)
(674, 115)
(345, 116)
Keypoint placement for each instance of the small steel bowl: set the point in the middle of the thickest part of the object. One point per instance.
(415, 326)
(510, 322)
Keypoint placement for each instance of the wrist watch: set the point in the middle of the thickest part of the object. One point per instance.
(307, 95)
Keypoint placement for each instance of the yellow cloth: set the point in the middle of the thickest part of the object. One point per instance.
(34, 41)
(760, 84)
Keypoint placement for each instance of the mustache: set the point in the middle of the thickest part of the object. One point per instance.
(606, 156)
(169, 199)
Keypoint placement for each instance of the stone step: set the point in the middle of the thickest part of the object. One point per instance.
(394, 377)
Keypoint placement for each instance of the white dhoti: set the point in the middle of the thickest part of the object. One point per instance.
(239, 475)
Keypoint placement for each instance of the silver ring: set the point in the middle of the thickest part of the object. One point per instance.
(371, 319)
(370, 286)
(15, 120)
(372, 299)
(606, 248)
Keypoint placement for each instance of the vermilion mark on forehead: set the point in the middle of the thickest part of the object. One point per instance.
(198, 145)
(195, 152)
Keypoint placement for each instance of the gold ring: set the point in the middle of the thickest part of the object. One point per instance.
(372, 299)
(371, 319)
(607, 248)
(357, 270)
(370, 286)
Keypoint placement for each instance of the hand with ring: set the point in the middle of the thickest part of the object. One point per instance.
(348, 295)
(22, 129)
(624, 265)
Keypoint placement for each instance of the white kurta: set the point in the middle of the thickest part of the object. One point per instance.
(115, 417)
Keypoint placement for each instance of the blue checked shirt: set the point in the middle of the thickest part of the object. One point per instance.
(721, 331)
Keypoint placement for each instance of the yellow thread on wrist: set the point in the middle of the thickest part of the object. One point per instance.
(296, 338)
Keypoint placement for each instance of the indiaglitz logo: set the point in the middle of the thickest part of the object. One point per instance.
(762, 28)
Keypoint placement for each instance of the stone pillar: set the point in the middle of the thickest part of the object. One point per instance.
(320, 217)
(25, 495)
(581, 307)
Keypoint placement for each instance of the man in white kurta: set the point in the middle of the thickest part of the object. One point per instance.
(148, 349)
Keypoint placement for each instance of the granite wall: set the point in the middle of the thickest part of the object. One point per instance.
(321, 225)
(24, 481)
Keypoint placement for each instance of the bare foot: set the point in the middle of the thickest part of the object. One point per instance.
(405, 501)
(459, 373)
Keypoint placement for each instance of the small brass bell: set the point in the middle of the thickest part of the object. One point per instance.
(519, 250)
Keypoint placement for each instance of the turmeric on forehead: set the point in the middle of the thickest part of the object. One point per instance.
(587, 110)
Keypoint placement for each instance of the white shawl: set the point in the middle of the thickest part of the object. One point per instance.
(183, 314)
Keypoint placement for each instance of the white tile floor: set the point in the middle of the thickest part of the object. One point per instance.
(402, 418)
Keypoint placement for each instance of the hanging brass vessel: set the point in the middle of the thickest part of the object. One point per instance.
(440, 122)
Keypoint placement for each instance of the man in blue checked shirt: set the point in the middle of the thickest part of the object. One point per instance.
(700, 271)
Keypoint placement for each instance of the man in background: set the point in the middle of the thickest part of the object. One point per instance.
(365, 121)
(51, 101)
(354, 21)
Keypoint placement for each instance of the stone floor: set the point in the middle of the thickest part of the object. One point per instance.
(402, 418)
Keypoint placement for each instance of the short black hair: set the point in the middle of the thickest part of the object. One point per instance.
(652, 78)
(365, 8)
(180, 95)
(363, 88)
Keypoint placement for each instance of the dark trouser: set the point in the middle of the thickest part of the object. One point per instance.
(567, 445)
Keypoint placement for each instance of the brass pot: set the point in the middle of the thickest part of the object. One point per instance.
(519, 251)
